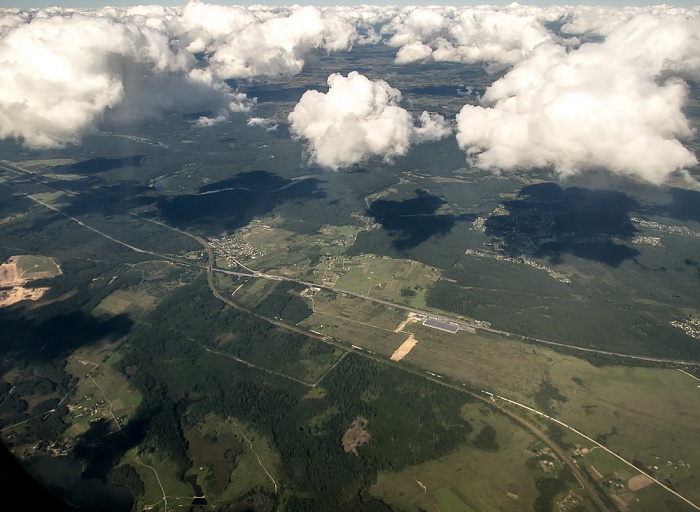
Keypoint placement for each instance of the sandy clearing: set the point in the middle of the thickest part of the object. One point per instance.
(8, 272)
(404, 349)
(18, 293)
(639, 482)
(14, 282)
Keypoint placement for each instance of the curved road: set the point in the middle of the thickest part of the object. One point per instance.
(522, 421)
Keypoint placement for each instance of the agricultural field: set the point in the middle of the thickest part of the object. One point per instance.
(468, 478)
(317, 380)
(102, 393)
(42, 165)
(647, 415)
(134, 302)
(265, 246)
(625, 486)
(629, 409)
(366, 324)
(160, 479)
(401, 281)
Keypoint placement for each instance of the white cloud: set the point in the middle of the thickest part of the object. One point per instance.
(242, 43)
(207, 121)
(61, 76)
(269, 124)
(613, 104)
(58, 75)
(482, 34)
(617, 104)
(431, 126)
(358, 118)
(599, 21)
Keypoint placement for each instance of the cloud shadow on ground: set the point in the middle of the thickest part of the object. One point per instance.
(547, 221)
(231, 204)
(410, 222)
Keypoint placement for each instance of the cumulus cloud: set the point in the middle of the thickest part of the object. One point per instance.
(358, 118)
(269, 124)
(61, 76)
(599, 21)
(614, 104)
(465, 35)
(207, 121)
(242, 43)
(65, 72)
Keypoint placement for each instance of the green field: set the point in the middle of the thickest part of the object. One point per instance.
(295, 255)
(155, 471)
(37, 165)
(135, 302)
(469, 479)
(102, 392)
(357, 322)
(652, 412)
(401, 281)
(133, 358)
(641, 413)
(33, 267)
(224, 462)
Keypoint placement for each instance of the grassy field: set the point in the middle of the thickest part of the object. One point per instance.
(613, 477)
(251, 293)
(358, 322)
(647, 414)
(469, 479)
(249, 472)
(37, 165)
(282, 249)
(102, 392)
(641, 413)
(650, 415)
(133, 301)
(402, 281)
(283, 252)
(319, 257)
(179, 493)
(225, 465)
(372, 338)
(32, 267)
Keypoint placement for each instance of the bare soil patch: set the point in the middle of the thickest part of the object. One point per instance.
(12, 283)
(639, 482)
(19, 293)
(404, 349)
(356, 435)
(8, 272)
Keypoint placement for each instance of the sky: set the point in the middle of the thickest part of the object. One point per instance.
(26, 4)
(578, 88)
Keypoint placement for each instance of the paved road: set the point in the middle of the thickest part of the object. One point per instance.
(210, 273)
(252, 273)
(593, 493)
(463, 323)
